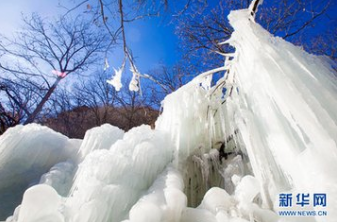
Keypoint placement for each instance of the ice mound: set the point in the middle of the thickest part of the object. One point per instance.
(109, 182)
(218, 206)
(40, 204)
(61, 175)
(163, 201)
(101, 137)
(27, 152)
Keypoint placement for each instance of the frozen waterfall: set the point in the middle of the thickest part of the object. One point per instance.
(213, 156)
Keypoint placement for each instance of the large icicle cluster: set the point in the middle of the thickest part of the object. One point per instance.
(213, 156)
(288, 118)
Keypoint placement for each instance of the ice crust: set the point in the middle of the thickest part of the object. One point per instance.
(212, 157)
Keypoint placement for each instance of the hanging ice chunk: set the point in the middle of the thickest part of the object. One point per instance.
(116, 80)
(247, 189)
(134, 83)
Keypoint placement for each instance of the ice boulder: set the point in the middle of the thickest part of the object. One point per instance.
(40, 204)
(217, 199)
(26, 153)
(101, 137)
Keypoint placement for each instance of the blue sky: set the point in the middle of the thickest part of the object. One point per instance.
(11, 11)
(152, 40)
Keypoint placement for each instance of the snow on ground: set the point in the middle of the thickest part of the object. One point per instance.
(212, 157)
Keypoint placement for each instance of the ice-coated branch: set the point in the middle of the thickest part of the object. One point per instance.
(210, 72)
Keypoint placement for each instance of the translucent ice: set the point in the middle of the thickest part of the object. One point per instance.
(25, 154)
(40, 204)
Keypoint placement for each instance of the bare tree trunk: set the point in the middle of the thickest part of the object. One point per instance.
(255, 5)
(39, 107)
(254, 9)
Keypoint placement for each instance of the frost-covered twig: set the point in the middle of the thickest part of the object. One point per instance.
(209, 72)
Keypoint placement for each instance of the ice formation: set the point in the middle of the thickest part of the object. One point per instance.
(213, 157)
(134, 84)
(116, 80)
(25, 154)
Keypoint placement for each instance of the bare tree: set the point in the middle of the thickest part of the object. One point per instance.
(201, 32)
(44, 53)
(325, 45)
(97, 95)
(115, 16)
(61, 119)
(7, 119)
(124, 109)
(289, 19)
(134, 109)
(92, 102)
(16, 99)
(169, 79)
